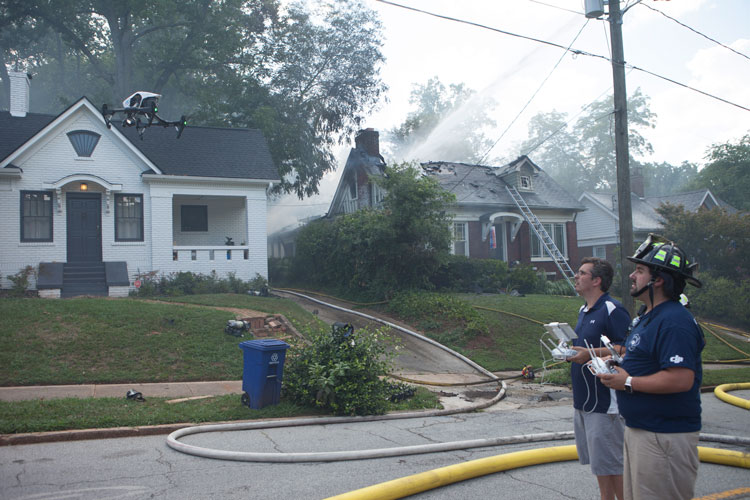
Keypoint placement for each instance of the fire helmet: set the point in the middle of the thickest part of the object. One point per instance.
(661, 254)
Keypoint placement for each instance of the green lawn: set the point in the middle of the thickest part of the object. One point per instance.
(92, 340)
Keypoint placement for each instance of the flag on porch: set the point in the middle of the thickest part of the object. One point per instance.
(493, 238)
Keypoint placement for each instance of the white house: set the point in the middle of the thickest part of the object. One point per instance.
(92, 208)
(598, 226)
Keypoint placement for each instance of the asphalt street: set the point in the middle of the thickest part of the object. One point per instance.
(145, 467)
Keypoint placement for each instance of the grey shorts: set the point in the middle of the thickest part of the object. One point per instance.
(599, 441)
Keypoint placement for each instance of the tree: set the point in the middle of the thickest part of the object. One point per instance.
(448, 122)
(554, 147)
(583, 157)
(662, 179)
(380, 251)
(727, 174)
(305, 77)
(718, 241)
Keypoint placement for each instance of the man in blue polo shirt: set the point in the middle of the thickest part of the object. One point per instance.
(598, 426)
(659, 382)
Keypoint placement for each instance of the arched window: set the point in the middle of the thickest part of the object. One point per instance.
(83, 141)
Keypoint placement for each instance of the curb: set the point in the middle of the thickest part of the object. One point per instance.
(84, 434)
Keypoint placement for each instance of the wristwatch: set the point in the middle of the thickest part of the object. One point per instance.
(629, 385)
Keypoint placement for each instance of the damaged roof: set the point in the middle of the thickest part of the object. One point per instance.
(486, 185)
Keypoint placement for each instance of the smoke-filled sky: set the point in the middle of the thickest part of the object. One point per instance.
(511, 70)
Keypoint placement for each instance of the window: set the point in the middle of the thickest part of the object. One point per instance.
(128, 217)
(83, 141)
(525, 182)
(378, 194)
(557, 233)
(36, 216)
(460, 240)
(194, 218)
(600, 252)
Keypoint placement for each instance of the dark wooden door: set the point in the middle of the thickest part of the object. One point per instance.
(84, 227)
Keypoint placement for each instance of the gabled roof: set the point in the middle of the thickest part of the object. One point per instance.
(483, 185)
(645, 216)
(373, 166)
(201, 151)
(14, 132)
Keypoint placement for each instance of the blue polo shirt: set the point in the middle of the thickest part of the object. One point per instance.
(607, 317)
(666, 337)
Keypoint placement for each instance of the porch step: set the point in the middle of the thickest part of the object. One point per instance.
(84, 278)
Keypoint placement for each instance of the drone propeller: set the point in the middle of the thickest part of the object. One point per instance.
(180, 126)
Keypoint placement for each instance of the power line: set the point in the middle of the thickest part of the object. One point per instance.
(576, 51)
(696, 31)
(535, 92)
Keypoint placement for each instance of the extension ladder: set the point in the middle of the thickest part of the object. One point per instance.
(544, 237)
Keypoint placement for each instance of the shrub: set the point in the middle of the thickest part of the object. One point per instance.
(341, 371)
(187, 283)
(524, 279)
(559, 287)
(20, 281)
(721, 299)
(461, 274)
(280, 271)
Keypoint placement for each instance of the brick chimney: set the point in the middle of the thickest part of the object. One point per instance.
(369, 141)
(636, 182)
(19, 93)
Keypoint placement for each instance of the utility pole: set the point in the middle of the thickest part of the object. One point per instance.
(622, 153)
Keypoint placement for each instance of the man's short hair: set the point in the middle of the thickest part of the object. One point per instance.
(600, 269)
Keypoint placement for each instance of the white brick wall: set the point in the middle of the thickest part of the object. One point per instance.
(235, 209)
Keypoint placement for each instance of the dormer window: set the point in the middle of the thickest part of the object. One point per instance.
(84, 142)
(524, 182)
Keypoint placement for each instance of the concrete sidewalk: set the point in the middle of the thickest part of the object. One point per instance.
(192, 389)
(168, 389)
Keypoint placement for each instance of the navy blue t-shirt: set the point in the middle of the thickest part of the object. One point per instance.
(666, 337)
(607, 317)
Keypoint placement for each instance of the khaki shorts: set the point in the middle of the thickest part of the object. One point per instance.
(599, 438)
(660, 465)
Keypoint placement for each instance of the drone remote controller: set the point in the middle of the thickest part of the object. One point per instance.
(597, 365)
(564, 333)
(616, 358)
(560, 351)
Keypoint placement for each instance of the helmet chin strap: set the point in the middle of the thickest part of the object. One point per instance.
(649, 286)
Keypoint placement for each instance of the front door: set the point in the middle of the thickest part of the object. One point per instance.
(499, 251)
(84, 227)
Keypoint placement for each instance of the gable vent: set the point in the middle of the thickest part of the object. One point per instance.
(83, 141)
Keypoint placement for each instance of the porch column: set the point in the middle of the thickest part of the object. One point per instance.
(161, 232)
(257, 227)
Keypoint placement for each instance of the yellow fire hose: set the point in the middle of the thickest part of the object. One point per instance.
(436, 478)
(721, 393)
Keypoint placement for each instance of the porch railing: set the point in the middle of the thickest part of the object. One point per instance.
(210, 253)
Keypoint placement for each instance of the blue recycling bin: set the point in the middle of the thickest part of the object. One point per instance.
(262, 371)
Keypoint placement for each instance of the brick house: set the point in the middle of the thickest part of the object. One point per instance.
(483, 206)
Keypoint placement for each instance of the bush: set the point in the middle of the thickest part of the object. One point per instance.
(280, 271)
(524, 279)
(187, 283)
(721, 299)
(559, 287)
(20, 281)
(461, 274)
(341, 371)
